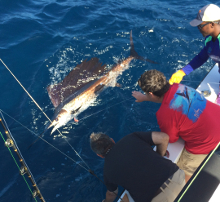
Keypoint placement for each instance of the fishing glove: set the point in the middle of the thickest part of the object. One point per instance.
(177, 77)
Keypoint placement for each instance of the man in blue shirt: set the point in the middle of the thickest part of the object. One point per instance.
(208, 23)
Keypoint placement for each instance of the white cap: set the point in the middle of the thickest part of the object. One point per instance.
(208, 13)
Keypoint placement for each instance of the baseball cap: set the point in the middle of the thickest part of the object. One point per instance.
(208, 13)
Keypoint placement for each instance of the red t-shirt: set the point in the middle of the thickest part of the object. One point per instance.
(185, 113)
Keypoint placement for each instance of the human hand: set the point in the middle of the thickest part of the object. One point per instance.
(177, 77)
(139, 96)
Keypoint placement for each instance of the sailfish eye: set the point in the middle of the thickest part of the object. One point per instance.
(56, 119)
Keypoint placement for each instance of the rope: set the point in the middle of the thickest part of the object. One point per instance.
(18, 166)
(198, 172)
(42, 111)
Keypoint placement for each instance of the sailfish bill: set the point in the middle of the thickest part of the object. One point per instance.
(80, 88)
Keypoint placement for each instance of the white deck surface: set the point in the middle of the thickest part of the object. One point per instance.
(211, 83)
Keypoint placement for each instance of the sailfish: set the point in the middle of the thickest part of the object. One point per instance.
(80, 88)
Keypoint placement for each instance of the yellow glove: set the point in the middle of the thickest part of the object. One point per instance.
(177, 77)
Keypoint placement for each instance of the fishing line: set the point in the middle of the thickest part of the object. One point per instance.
(74, 150)
(106, 108)
(42, 139)
(129, 99)
(25, 90)
(89, 170)
(42, 110)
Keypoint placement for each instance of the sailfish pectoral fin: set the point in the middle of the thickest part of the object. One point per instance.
(99, 88)
(134, 54)
(76, 120)
(74, 111)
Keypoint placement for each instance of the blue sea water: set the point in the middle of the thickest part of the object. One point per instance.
(42, 40)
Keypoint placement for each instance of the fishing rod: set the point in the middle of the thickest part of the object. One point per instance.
(42, 112)
(88, 170)
(10, 142)
(40, 136)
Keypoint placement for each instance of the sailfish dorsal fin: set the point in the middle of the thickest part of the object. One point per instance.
(83, 74)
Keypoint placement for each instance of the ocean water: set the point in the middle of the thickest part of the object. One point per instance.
(42, 40)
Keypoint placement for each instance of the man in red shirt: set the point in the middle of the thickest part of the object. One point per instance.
(184, 113)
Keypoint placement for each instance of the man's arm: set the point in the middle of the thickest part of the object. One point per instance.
(139, 96)
(110, 196)
(161, 140)
(197, 61)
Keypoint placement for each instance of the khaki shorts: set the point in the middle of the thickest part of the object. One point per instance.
(171, 191)
(189, 162)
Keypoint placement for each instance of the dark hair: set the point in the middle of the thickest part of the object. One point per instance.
(100, 143)
(154, 81)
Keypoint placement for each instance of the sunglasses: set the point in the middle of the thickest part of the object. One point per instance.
(201, 26)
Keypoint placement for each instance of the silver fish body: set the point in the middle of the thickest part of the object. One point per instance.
(78, 99)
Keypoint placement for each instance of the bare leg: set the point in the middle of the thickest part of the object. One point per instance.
(187, 177)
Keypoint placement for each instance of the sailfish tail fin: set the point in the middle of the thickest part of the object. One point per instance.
(134, 54)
